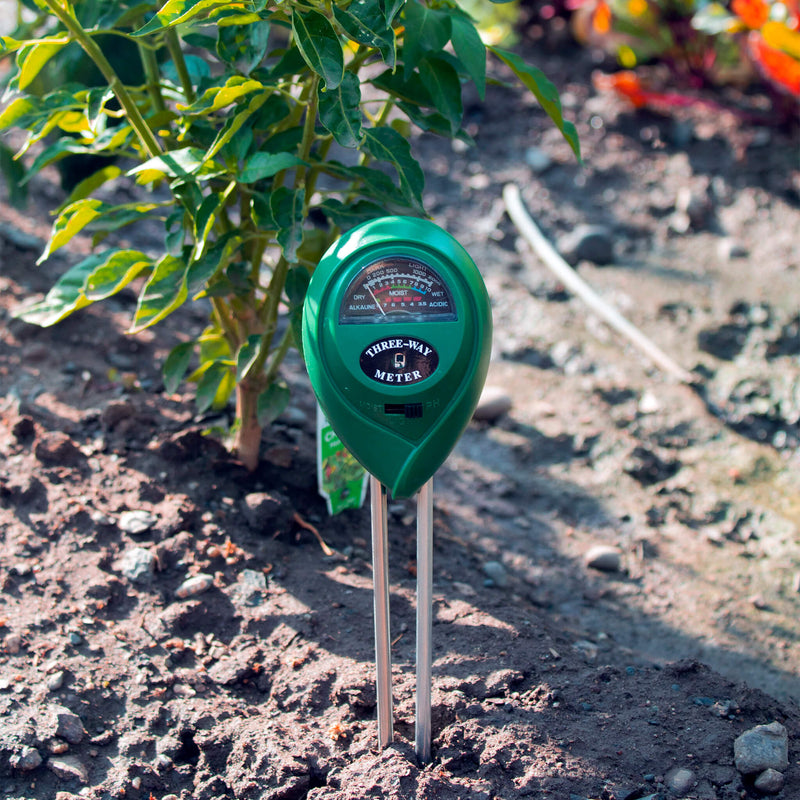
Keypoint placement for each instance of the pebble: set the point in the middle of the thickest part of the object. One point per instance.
(537, 159)
(695, 204)
(138, 565)
(12, 643)
(593, 243)
(770, 781)
(493, 403)
(69, 767)
(761, 748)
(679, 780)
(27, 759)
(68, 724)
(265, 511)
(728, 249)
(250, 587)
(496, 573)
(194, 585)
(649, 403)
(604, 558)
(136, 522)
(56, 680)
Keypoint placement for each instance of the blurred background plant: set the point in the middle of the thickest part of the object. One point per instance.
(703, 43)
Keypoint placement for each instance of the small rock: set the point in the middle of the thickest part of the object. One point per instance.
(537, 159)
(728, 249)
(604, 558)
(194, 585)
(56, 448)
(69, 768)
(12, 643)
(649, 403)
(493, 404)
(266, 511)
(496, 573)
(587, 243)
(27, 759)
(56, 680)
(761, 748)
(138, 565)
(770, 781)
(464, 588)
(75, 639)
(68, 724)
(250, 587)
(136, 522)
(679, 780)
(695, 203)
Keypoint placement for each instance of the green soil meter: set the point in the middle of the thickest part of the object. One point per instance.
(397, 336)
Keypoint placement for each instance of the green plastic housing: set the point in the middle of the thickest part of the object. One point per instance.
(399, 433)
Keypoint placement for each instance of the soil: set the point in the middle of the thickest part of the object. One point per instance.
(554, 675)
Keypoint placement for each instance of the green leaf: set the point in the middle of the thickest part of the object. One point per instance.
(235, 123)
(348, 215)
(93, 182)
(176, 12)
(215, 386)
(319, 45)
(244, 45)
(203, 269)
(117, 270)
(364, 22)
(427, 31)
(262, 213)
(176, 365)
(216, 97)
(390, 9)
(442, 81)
(95, 278)
(247, 355)
(164, 291)
(182, 163)
(296, 285)
(14, 172)
(340, 111)
(71, 221)
(265, 165)
(287, 207)
(368, 182)
(544, 91)
(386, 144)
(15, 111)
(32, 58)
(471, 51)
(204, 220)
(272, 402)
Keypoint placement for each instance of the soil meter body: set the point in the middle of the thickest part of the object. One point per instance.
(397, 337)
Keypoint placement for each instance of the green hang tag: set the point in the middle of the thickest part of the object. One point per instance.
(342, 481)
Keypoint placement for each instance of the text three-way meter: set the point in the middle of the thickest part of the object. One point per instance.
(397, 335)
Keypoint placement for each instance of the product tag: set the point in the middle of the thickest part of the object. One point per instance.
(342, 481)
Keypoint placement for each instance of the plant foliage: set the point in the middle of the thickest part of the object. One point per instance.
(243, 121)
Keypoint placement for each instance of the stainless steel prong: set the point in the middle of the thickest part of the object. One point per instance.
(383, 644)
(424, 620)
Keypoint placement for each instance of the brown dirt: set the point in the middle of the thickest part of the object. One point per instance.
(552, 680)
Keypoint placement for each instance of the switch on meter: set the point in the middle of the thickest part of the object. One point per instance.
(397, 335)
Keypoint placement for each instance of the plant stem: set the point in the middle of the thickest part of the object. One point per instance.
(90, 47)
(150, 64)
(174, 47)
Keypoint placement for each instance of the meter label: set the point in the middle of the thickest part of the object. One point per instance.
(399, 360)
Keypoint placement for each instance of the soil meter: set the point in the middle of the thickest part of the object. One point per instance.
(397, 337)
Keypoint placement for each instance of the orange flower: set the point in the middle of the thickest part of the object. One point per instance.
(625, 82)
(601, 21)
(777, 66)
(754, 13)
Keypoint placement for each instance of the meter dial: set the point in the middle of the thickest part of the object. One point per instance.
(397, 289)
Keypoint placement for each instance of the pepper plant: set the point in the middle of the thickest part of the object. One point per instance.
(259, 131)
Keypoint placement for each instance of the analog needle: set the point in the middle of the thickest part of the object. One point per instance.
(369, 289)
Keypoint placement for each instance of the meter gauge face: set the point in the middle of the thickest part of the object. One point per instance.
(397, 289)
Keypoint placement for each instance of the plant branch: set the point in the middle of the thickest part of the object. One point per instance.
(174, 47)
(91, 48)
